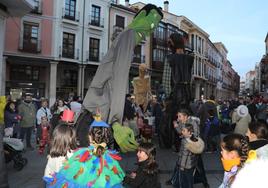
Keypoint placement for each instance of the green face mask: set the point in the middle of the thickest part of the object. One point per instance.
(146, 20)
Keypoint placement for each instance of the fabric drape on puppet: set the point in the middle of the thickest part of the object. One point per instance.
(109, 85)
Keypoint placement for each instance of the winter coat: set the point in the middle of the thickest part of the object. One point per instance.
(10, 118)
(241, 123)
(142, 179)
(28, 114)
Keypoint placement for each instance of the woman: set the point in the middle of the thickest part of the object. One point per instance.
(12, 118)
(59, 107)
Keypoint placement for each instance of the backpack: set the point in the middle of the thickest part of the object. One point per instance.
(212, 126)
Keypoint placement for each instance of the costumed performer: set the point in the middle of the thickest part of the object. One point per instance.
(142, 89)
(109, 85)
(91, 167)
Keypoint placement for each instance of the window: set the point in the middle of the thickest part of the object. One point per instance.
(137, 58)
(94, 49)
(30, 37)
(192, 41)
(95, 15)
(120, 21)
(160, 32)
(24, 73)
(68, 45)
(70, 78)
(70, 9)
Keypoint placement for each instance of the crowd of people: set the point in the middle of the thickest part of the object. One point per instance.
(236, 128)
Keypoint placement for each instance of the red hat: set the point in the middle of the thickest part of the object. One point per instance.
(67, 116)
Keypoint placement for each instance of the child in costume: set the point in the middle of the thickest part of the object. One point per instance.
(62, 145)
(146, 175)
(44, 140)
(91, 167)
(234, 155)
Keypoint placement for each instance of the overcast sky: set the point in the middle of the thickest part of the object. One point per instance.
(241, 25)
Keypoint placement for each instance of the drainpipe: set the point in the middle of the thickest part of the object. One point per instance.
(82, 58)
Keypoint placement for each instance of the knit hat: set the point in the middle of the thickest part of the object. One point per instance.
(242, 111)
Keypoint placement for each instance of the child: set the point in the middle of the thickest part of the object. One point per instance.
(257, 134)
(187, 160)
(146, 175)
(93, 166)
(234, 154)
(44, 139)
(147, 131)
(62, 145)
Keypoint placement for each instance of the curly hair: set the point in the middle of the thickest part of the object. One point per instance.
(101, 134)
(237, 142)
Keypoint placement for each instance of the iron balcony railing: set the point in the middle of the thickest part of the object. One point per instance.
(66, 15)
(29, 45)
(96, 21)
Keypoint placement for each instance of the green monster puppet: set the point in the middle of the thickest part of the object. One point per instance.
(109, 86)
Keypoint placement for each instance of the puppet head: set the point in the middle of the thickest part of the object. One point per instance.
(145, 21)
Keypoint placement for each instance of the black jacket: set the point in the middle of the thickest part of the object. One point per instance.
(257, 144)
(142, 179)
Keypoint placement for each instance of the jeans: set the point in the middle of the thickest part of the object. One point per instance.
(28, 132)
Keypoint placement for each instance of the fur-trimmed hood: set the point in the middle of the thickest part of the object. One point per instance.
(195, 147)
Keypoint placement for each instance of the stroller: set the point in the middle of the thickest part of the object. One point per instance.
(13, 148)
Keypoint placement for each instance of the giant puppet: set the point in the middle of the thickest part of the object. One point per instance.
(108, 88)
(180, 72)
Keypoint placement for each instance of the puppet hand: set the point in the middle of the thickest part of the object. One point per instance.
(124, 137)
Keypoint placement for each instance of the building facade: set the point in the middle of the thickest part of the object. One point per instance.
(250, 82)
(264, 71)
(28, 51)
(54, 51)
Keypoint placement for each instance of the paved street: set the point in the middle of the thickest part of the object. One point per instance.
(31, 175)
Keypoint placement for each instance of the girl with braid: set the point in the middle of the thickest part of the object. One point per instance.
(234, 151)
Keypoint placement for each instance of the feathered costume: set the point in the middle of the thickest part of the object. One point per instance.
(87, 169)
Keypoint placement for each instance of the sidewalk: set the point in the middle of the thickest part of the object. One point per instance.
(31, 175)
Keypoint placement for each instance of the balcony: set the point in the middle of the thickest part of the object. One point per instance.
(159, 42)
(116, 31)
(38, 4)
(69, 53)
(29, 45)
(95, 21)
(67, 16)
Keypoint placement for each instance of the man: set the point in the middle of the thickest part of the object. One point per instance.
(129, 110)
(75, 106)
(27, 111)
(43, 111)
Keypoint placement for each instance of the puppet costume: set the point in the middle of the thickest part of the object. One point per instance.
(142, 90)
(44, 141)
(109, 85)
(86, 170)
(124, 137)
(181, 74)
(90, 167)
